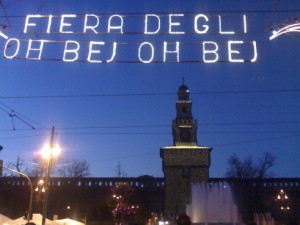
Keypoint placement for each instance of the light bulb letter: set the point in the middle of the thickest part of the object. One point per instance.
(91, 27)
(196, 28)
(28, 23)
(71, 51)
(212, 51)
(255, 52)
(115, 27)
(8, 45)
(93, 51)
(63, 24)
(49, 24)
(39, 49)
(3, 35)
(245, 23)
(231, 51)
(147, 21)
(173, 24)
(114, 53)
(220, 27)
(176, 51)
(151, 52)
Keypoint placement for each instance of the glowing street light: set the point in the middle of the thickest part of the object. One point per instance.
(283, 198)
(48, 152)
(40, 186)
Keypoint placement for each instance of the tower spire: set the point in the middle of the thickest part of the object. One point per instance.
(184, 162)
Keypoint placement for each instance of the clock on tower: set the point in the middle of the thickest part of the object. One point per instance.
(184, 126)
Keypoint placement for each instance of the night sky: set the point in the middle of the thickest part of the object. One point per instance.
(115, 107)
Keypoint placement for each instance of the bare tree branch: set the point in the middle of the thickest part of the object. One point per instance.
(248, 169)
(18, 166)
(76, 168)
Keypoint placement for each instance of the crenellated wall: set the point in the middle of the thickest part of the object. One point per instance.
(91, 198)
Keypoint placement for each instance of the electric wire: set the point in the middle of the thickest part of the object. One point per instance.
(163, 125)
(161, 13)
(13, 114)
(213, 146)
(151, 94)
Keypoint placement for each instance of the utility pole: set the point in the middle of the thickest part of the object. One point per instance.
(45, 205)
(1, 161)
(1, 165)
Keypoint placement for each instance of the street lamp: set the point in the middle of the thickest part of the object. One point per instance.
(29, 213)
(283, 198)
(48, 152)
(40, 186)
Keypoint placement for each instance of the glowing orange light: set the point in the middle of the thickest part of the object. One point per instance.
(48, 152)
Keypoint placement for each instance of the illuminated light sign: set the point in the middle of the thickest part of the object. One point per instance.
(148, 18)
(3, 35)
(71, 53)
(176, 51)
(89, 27)
(155, 38)
(210, 51)
(287, 29)
(196, 22)
(150, 58)
(172, 23)
(16, 43)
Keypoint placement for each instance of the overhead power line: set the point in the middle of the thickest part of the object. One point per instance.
(213, 146)
(238, 132)
(150, 94)
(168, 125)
(160, 126)
(257, 140)
(169, 133)
(210, 12)
(14, 114)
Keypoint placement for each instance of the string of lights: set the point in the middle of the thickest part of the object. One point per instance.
(125, 61)
(142, 51)
(145, 52)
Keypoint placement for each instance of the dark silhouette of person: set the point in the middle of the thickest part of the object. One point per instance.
(184, 220)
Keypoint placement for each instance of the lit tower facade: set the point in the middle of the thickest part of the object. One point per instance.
(184, 162)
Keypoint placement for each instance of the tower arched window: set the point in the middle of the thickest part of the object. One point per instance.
(183, 111)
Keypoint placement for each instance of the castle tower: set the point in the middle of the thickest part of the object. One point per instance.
(184, 162)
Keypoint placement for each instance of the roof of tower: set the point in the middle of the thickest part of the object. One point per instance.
(183, 92)
(183, 88)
